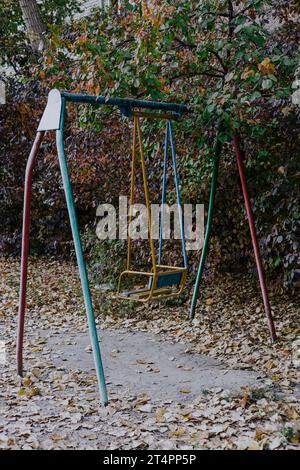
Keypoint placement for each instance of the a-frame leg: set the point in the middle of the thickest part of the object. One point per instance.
(80, 258)
(25, 247)
(217, 154)
(258, 260)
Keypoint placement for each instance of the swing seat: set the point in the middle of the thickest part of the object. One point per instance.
(167, 281)
(163, 281)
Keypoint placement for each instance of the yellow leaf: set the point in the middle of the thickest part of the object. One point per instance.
(266, 67)
(160, 415)
(270, 365)
(292, 414)
(245, 400)
(185, 391)
(258, 434)
(34, 392)
(142, 401)
(286, 110)
(26, 382)
(180, 432)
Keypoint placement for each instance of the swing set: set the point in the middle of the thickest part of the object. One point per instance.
(162, 281)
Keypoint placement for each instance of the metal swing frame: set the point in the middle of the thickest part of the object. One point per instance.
(239, 153)
(53, 119)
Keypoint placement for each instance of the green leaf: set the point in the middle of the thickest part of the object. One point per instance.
(277, 262)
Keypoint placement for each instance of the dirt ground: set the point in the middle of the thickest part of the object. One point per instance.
(217, 383)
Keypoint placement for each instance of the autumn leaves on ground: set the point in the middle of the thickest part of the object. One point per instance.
(55, 407)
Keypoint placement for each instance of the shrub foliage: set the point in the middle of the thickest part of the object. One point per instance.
(232, 60)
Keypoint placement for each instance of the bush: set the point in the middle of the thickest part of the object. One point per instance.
(229, 64)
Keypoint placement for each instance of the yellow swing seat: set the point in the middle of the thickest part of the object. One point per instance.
(166, 281)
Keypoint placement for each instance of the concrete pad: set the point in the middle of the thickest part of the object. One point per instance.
(144, 363)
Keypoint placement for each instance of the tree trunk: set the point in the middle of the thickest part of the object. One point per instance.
(34, 24)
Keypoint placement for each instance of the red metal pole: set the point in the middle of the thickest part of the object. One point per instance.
(258, 259)
(25, 247)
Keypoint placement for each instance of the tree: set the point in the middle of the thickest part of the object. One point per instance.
(24, 28)
(234, 60)
(34, 24)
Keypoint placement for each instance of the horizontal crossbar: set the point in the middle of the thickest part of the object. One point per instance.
(125, 102)
(128, 107)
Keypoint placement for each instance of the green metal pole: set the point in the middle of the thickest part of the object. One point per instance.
(217, 153)
(80, 257)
